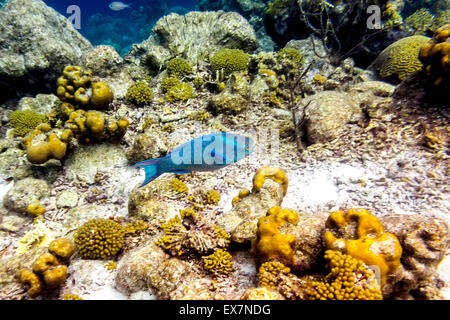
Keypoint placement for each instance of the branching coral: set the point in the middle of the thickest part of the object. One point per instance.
(270, 243)
(269, 272)
(349, 279)
(139, 93)
(24, 121)
(179, 67)
(226, 61)
(179, 186)
(373, 246)
(99, 239)
(220, 262)
(211, 197)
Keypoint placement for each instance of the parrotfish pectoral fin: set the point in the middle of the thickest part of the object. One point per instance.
(152, 169)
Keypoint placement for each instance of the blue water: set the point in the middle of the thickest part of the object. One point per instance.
(121, 29)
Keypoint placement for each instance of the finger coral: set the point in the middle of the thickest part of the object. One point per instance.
(270, 243)
(373, 246)
(269, 271)
(349, 279)
(99, 239)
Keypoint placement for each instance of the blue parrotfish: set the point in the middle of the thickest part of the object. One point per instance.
(118, 5)
(206, 153)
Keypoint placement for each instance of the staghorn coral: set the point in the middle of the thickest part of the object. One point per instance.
(372, 245)
(24, 121)
(220, 262)
(349, 279)
(99, 239)
(178, 67)
(139, 93)
(401, 58)
(270, 243)
(226, 61)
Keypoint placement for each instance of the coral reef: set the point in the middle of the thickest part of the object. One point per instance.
(373, 246)
(270, 243)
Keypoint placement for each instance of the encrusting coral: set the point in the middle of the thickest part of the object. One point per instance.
(270, 243)
(372, 245)
(99, 239)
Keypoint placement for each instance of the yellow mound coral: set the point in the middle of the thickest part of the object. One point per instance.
(62, 248)
(401, 58)
(35, 208)
(55, 277)
(270, 244)
(53, 148)
(435, 56)
(269, 271)
(102, 95)
(31, 280)
(373, 246)
(349, 279)
(99, 238)
(139, 93)
(25, 121)
(275, 174)
(44, 263)
(220, 262)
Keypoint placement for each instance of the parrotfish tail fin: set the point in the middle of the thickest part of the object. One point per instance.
(152, 169)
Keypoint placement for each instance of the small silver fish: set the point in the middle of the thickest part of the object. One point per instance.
(118, 5)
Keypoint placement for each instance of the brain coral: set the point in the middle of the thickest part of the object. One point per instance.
(99, 238)
(401, 58)
(25, 121)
